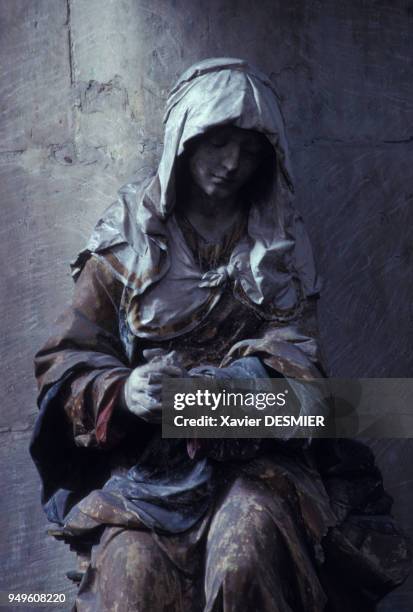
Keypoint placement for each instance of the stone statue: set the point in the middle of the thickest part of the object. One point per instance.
(204, 268)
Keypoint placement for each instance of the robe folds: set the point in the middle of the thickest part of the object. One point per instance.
(324, 506)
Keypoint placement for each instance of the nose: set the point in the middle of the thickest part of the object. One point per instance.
(231, 155)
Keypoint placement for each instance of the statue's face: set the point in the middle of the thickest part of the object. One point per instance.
(224, 159)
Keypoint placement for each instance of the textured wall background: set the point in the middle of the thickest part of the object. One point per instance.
(83, 83)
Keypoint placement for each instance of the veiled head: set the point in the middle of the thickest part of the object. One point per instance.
(224, 159)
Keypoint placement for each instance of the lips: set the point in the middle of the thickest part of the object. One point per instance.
(222, 179)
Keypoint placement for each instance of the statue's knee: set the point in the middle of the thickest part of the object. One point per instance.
(131, 569)
(243, 532)
(132, 563)
(248, 517)
(129, 551)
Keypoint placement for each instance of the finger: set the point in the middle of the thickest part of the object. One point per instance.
(155, 391)
(156, 353)
(144, 398)
(173, 358)
(147, 371)
(170, 370)
(151, 394)
(151, 404)
(154, 377)
(162, 370)
(150, 414)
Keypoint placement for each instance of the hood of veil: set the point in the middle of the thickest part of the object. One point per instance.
(274, 262)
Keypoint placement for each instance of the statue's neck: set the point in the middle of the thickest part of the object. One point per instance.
(211, 217)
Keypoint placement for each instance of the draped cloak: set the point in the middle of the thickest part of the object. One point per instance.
(139, 285)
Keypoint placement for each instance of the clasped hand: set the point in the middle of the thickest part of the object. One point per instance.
(143, 388)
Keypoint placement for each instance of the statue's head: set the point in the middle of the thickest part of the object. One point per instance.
(225, 159)
(222, 119)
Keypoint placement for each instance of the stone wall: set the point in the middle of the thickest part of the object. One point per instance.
(83, 84)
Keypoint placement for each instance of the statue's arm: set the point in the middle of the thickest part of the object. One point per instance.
(288, 348)
(84, 358)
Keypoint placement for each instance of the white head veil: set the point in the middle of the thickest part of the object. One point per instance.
(137, 235)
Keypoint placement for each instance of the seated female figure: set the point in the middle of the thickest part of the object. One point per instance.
(203, 269)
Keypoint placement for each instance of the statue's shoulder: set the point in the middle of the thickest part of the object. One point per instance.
(120, 228)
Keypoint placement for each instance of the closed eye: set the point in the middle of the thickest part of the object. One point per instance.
(218, 142)
(252, 152)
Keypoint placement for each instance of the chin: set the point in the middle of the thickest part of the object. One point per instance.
(221, 192)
